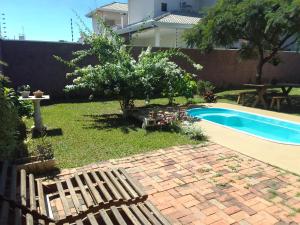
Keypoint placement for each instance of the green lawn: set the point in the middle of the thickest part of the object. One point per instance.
(82, 133)
(86, 132)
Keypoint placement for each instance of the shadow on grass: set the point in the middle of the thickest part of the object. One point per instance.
(111, 121)
(126, 125)
(49, 133)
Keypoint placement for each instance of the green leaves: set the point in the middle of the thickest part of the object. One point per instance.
(117, 74)
(264, 26)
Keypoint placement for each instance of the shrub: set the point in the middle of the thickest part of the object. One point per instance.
(44, 150)
(8, 128)
(192, 130)
(12, 128)
(204, 87)
(210, 97)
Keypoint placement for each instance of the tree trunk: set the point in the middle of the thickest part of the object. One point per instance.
(259, 71)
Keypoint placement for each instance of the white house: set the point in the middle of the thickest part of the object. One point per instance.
(159, 23)
(114, 15)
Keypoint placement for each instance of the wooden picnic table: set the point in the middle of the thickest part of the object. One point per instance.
(262, 89)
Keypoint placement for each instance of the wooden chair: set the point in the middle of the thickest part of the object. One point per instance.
(276, 100)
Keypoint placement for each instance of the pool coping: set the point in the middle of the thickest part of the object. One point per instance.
(248, 133)
(284, 156)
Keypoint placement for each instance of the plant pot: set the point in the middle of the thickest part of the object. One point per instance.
(25, 94)
(36, 166)
(38, 94)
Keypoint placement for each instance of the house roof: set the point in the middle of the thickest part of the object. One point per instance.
(180, 20)
(117, 7)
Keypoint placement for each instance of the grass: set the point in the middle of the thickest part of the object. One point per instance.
(83, 133)
(87, 132)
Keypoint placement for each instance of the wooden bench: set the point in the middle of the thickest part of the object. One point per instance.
(135, 214)
(242, 96)
(276, 100)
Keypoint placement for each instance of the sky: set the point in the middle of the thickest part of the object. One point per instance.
(46, 20)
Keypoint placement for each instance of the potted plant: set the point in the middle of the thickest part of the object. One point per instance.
(38, 94)
(24, 90)
(41, 161)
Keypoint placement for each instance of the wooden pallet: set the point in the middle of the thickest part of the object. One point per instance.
(134, 214)
(21, 195)
(94, 197)
(11, 214)
(90, 191)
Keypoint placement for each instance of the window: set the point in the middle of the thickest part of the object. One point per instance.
(164, 7)
(110, 23)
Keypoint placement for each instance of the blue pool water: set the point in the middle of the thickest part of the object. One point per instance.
(261, 126)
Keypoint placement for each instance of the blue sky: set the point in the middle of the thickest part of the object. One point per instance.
(47, 20)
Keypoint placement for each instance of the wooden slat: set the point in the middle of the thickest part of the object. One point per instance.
(148, 214)
(118, 186)
(63, 198)
(41, 222)
(140, 215)
(129, 214)
(134, 183)
(74, 196)
(110, 185)
(79, 222)
(92, 219)
(158, 214)
(92, 188)
(4, 211)
(29, 219)
(117, 215)
(18, 216)
(85, 195)
(13, 184)
(3, 177)
(23, 185)
(32, 192)
(101, 187)
(126, 186)
(105, 217)
(41, 196)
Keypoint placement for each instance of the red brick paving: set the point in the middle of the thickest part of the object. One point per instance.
(213, 185)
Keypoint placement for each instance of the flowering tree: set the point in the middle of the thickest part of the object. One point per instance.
(119, 75)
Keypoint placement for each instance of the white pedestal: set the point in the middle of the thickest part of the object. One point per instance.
(38, 121)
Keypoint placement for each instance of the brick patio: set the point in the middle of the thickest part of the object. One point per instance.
(213, 185)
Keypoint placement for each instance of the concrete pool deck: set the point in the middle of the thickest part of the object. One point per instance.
(284, 156)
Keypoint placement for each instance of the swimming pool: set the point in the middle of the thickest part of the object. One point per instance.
(268, 128)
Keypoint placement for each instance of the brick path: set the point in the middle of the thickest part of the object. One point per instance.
(213, 185)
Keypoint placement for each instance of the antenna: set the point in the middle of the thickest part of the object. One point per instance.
(3, 33)
(72, 33)
(22, 35)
